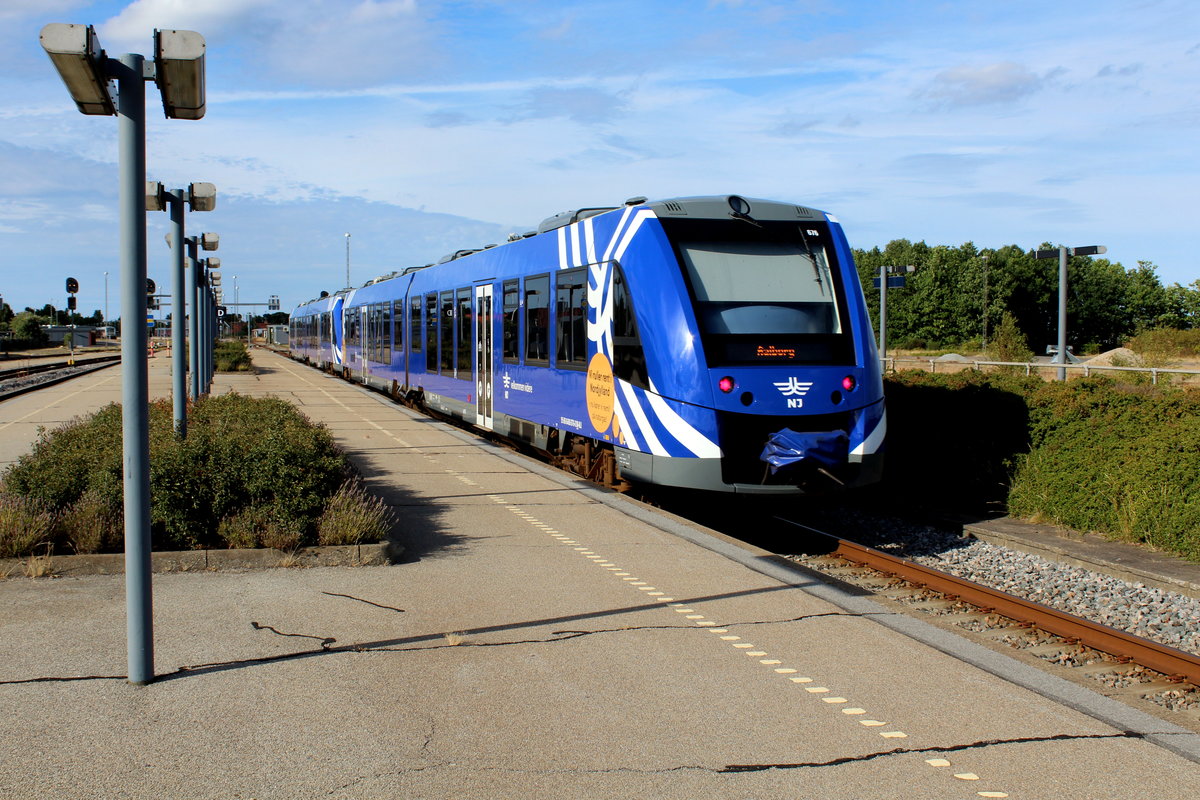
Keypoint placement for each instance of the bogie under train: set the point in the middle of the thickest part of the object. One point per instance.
(713, 343)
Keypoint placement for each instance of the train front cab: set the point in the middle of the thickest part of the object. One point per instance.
(788, 365)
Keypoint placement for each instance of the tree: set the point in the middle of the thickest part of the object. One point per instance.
(27, 325)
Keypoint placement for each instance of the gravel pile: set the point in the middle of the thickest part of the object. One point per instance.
(1167, 617)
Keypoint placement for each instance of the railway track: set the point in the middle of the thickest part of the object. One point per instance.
(1137, 667)
(19, 380)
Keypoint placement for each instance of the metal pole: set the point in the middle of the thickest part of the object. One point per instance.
(883, 312)
(135, 393)
(347, 261)
(1061, 357)
(194, 321)
(178, 316)
(985, 300)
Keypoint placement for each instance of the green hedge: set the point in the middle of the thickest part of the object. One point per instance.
(1091, 454)
(251, 472)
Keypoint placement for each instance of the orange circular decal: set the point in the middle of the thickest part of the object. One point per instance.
(600, 392)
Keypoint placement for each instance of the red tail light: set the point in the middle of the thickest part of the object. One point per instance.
(848, 383)
(726, 385)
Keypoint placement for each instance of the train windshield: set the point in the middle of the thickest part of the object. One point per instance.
(768, 293)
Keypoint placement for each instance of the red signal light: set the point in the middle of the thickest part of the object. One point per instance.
(725, 385)
(848, 383)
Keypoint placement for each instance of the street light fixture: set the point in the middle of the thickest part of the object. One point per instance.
(179, 73)
(80, 62)
(178, 69)
(1061, 253)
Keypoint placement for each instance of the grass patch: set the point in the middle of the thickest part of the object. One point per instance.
(253, 472)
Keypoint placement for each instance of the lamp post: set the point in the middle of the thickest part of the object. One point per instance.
(178, 70)
(1061, 252)
(106, 297)
(890, 277)
(200, 197)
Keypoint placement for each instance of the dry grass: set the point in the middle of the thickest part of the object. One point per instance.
(40, 565)
(454, 639)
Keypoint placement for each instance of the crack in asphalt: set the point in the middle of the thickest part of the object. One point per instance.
(1058, 737)
(359, 599)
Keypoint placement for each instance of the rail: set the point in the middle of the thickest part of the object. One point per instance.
(1119, 644)
(889, 365)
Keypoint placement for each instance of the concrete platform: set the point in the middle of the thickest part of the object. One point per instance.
(540, 640)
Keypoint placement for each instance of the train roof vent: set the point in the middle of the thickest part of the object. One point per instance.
(568, 217)
(807, 213)
(671, 207)
(457, 254)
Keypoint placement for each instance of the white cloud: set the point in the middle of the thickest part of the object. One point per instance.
(1003, 82)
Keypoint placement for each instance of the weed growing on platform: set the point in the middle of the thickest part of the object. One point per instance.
(252, 472)
(352, 516)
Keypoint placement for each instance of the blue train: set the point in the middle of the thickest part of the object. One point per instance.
(715, 343)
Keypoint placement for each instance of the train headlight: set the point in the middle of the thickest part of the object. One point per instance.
(848, 383)
(726, 385)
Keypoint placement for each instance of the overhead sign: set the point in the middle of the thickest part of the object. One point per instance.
(894, 282)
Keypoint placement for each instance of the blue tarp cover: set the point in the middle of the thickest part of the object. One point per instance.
(786, 448)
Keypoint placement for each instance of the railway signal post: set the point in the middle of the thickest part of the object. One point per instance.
(88, 72)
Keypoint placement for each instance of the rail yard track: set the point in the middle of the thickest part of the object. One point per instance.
(31, 377)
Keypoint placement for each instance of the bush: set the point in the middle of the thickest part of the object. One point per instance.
(1116, 459)
(25, 523)
(1091, 454)
(1165, 344)
(1008, 342)
(90, 524)
(231, 355)
(937, 423)
(252, 471)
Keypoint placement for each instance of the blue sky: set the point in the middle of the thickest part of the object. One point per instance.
(421, 127)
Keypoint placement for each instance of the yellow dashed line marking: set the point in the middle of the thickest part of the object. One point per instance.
(735, 640)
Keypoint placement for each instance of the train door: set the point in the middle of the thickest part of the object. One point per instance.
(483, 356)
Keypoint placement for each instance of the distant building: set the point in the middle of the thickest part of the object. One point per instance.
(84, 335)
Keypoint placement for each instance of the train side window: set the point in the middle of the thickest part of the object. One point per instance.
(414, 321)
(431, 332)
(385, 333)
(398, 327)
(571, 314)
(629, 359)
(463, 341)
(447, 338)
(512, 325)
(537, 320)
